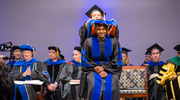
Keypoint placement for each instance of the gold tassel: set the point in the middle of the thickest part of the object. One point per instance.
(33, 51)
(104, 15)
(57, 52)
(32, 48)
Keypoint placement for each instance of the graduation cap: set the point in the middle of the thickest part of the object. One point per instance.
(57, 50)
(78, 48)
(125, 50)
(148, 52)
(177, 47)
(27, 47)
(95, 8)
(155, 46)
(15, 47)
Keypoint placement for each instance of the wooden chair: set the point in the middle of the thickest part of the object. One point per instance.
(133, 82)
(40, 95)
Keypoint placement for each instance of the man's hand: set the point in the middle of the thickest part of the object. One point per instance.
(98, 69)
(173, 77)
(103, 74)
(28, 71)
(153, 76)
(50, 87)
(25, 74)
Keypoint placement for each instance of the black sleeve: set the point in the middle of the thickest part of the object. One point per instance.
(117, 32)
(39, 74)
(82, 34)
(86, 55)
(16, 74)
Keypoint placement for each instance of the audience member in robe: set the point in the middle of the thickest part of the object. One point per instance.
(94, 13)
(28, 69)
(170, 75)
(6, 84)
(77, 59)
(125, 57)
(155, 91)
(77, 63)
(16, 53)
(147, 57)
(102, 65)
(59, 74)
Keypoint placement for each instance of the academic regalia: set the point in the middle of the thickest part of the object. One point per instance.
(146, 53)
(36, 74)
(62, 73)
(108, 55)
(171, 68)
(11, 64)
(78, 65)
(28, 92)
(83, 31)
(154, 90)
(125, 51)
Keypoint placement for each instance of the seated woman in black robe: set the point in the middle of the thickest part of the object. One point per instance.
(125, 57)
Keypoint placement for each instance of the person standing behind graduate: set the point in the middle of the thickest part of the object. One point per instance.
(59, 73)
(28, 69)
(16, 53)
(125, 57)
(102, 65)
(155, 91)
(94, 13)
(170, 75)
(7, 86)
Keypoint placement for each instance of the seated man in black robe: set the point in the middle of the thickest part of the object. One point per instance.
(170, 75)
(16, 53)
(101, 65)
(59, 73)
(155, 91)
(28, 69)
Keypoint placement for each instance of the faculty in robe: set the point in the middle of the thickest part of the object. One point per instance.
(28, 69)
(59, 74)
(170, 76)
(16, 55)
(155, 91)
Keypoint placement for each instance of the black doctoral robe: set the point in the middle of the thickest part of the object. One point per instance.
(27, 91)
(62, 73)
(108, 55)
(171, 68)
(155, 91)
